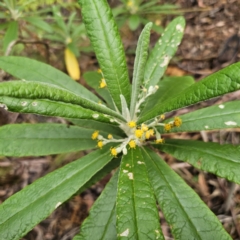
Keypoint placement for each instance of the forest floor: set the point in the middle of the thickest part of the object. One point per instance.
(211, 42)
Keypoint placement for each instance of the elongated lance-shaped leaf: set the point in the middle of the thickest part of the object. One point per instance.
(43, 139)
(100, 126)
(187, 215)
(163, 51)
(93, 79)
(32, 70)
(222, 160)
(50, 108)
(221, 116)
(103, 33)
(36, 90)
(139, 66)
(113, 164)
(10, 35)
(137, 214)
(168, 88)
(101, 222)
(21, 212)
(224, 81)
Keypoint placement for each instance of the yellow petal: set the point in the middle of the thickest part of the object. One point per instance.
(71, 64)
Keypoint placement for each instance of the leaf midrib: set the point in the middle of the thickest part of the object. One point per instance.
(63, 181)
(201, 151)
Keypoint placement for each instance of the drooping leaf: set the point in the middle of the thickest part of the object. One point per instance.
(168, 88)
(222, 160)
(101, 222)
(50, 108)
(32, 70)
(187, 215)
(43, 139)
(37, 91)
(139, 65)
(10, 35)
(72, 64)
(21, 212)
(163, 51)
(103, 33)
(224, 81)
(137, 215)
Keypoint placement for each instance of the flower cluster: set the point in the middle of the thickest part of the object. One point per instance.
(136, 135)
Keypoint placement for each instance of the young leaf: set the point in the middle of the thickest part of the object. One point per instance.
(21, 212)
(139, 65)
(50, 108)
(43, 139)
(103, 33)
(36, 90)
(221, 116)
(10, 35)
(168, 88)
(222, 160)
(41, 72)
(187, 219)
(137, 214)
(163, 51)
(101, 222)
(224, 81)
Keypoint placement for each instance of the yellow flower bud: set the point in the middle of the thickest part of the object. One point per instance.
(95, 135)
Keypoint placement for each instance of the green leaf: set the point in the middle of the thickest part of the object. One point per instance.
(37, 90)
(224, 81)
(50, 108)
(21, 212)
(39, 23)
(113, 164)
(43, 139)
(134, 22)
(93, 79)
(163, 51)
(221, 116)
(137, 214)
(168, 88)
(187, 215)
(10, 35)
(139, 64)
(104, 128)
(222, 160)
(103, 33)
(32, 70)
(101, 222)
